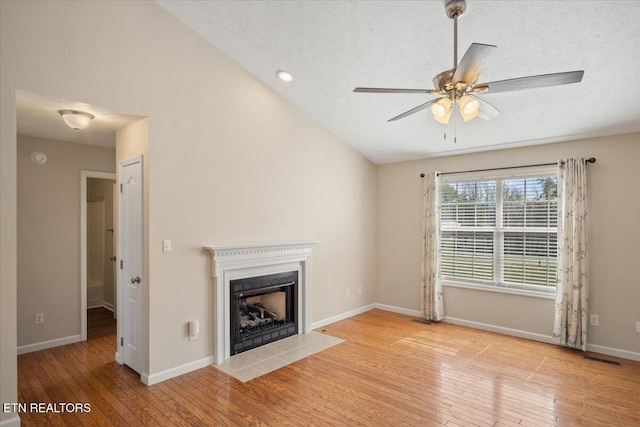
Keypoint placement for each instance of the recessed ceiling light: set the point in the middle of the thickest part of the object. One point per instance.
(283, 75)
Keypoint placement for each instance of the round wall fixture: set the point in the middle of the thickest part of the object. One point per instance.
(38, 157)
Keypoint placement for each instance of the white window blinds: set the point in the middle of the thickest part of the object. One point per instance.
(500, 231)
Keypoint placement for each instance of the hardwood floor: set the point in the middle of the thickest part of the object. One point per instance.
(389, 371)
(100, 322)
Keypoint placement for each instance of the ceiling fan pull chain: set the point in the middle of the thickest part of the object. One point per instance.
(455, 128)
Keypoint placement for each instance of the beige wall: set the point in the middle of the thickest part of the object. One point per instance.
(614, 233)
(49, 235)
(229, 161)
(96, 188)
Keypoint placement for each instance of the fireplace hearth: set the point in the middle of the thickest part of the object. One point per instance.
(263, 309)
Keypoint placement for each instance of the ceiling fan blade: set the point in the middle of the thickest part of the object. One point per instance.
(531, 82)
(413, 110)
(388, 90)
(473, 62)
(487, 111)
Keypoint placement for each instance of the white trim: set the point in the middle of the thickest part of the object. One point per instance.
(106, 305)
(176, 371)
(49, 344)
(609, 351)
(615, 352)
(500, 329)
(500, 289)
(338, 317)
(400, 310)
(84, 176)
(11, 422)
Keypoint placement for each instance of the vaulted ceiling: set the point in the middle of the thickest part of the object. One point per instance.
(331, 47)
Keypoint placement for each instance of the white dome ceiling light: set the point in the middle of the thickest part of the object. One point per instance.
(76, 120)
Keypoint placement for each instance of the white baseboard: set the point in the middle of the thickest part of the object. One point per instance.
(342, 316)
(11, 422)
(500, 329)
(400, 310)
(104, 304)
(49, 344)
(615, 352)
(609, 351)
(174, 372)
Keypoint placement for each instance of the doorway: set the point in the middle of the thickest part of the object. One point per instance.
(101, 258)
(98, 305)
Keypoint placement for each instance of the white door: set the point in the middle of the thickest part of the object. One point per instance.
(131, 262)
(114, 235)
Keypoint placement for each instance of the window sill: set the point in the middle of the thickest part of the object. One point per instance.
(499, 289)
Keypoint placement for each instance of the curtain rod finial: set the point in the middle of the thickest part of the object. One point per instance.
(421, 175)
(591, 160)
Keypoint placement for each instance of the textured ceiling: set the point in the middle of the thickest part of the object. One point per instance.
(37, 115)
(331, 47)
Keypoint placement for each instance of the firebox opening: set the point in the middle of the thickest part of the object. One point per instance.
(264, 309)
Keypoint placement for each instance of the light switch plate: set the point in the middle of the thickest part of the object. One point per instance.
(166, 246)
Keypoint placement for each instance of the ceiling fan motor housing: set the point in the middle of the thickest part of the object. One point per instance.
(455, 8)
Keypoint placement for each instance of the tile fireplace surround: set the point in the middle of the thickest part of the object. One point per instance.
(231, 262)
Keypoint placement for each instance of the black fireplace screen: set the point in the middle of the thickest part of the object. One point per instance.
(263, 309)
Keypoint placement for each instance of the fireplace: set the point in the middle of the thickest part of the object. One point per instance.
(240, 275)
(263, 309)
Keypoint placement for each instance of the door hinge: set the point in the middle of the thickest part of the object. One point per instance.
(121, 265)
(121, 341)
(121, 188)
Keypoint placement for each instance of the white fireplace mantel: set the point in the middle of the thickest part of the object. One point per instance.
(231, 262)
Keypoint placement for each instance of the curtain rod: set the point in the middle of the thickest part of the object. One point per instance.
(590, 160)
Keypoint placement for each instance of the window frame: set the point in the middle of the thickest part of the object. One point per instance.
(499, 230)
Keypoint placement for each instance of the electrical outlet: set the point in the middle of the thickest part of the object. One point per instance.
(359, 290)
(594, 320)
(39, 318)
(348, 293)
(638, 327)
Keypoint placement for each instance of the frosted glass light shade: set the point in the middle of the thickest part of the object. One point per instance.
(469, 107)
(76, 120)
(441, 110)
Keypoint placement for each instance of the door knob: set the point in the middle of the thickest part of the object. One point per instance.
(136, 279)
(112, 258)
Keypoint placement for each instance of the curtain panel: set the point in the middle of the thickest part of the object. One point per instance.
(431, 287)
(572, 291)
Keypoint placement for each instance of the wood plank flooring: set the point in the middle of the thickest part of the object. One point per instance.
(100, 322)
(388, 372)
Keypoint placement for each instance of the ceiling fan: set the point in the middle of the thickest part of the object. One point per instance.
(458, 85)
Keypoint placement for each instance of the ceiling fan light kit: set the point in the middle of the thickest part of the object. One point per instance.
(441, 110)
(459, 84)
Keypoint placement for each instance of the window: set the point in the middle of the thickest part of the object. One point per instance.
(500, 232)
